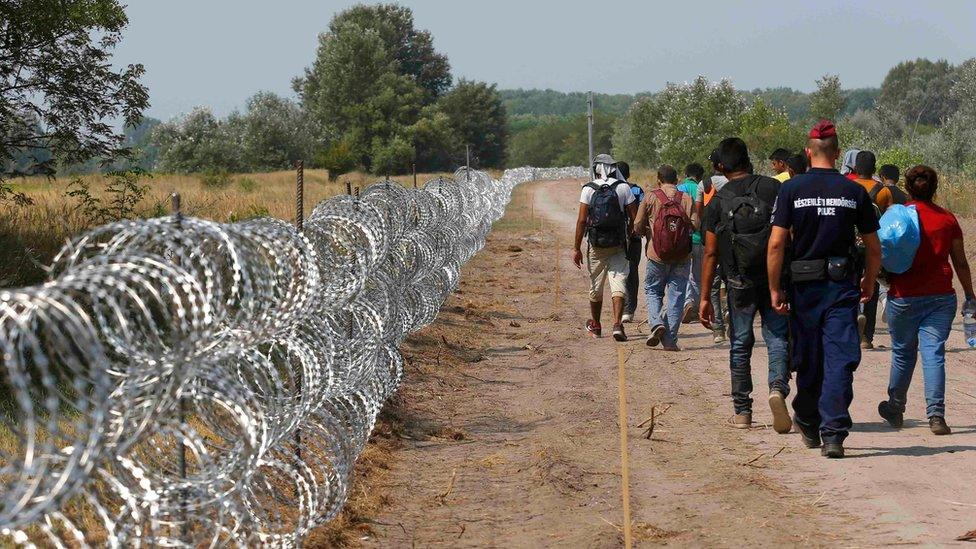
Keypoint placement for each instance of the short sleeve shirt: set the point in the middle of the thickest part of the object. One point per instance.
(930, 273)
(766, 190)
(823, 208)
(624, 195)
(690, 187)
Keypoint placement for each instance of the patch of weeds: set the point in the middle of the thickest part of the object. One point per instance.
(247, 184)
(215, 179)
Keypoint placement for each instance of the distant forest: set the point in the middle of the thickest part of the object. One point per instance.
(527, 103)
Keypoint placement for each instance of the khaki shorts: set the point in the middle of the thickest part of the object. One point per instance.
(603, 264)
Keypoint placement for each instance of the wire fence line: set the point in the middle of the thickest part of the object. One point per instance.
(184, 382)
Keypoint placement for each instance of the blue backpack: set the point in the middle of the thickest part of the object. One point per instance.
(900, 235)
(606, 223)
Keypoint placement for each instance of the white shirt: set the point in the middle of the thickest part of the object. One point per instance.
(624, 194)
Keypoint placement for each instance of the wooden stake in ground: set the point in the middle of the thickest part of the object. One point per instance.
(624, 459)
(558, 281)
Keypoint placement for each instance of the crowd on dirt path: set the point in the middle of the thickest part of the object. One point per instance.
(813, 251)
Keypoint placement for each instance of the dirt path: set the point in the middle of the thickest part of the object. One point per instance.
(509, 428)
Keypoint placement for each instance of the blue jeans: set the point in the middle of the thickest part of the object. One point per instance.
(775, 331)
(635, 251)
(674, 278)
(919, 323)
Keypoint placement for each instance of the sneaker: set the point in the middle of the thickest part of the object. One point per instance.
(866, 345)
(810, 440)
(895, 419)
(672, 348)
(657, 333)
(594, 328)
(689, 314)
(741, 420)
(718, 336)
(832, 450)
(627, 318)
(782, 423)
(938, 425)
(618, 332)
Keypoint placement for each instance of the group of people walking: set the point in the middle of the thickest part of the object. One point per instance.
(800, 251)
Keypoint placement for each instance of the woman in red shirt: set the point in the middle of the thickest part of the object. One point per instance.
(922, 304)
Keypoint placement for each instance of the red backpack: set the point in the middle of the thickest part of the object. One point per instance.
(672, 228)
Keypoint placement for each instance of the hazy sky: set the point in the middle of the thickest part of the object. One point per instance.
(220, 52)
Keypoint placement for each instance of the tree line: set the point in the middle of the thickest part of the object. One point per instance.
(923, 111)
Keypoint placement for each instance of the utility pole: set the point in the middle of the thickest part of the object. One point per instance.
(589, 126)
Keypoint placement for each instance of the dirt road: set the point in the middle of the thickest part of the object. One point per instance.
(508, 420)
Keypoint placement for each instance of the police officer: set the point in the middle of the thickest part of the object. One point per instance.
(822, 208)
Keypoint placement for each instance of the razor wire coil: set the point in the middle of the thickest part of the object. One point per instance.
(259, 354)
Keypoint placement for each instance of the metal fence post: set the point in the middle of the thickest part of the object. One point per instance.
(176, 207)
(299, 226)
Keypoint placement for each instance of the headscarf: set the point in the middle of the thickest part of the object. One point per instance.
(850, 157)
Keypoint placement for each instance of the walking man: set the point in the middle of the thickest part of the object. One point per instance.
(706, 192)
(822, 208)
(667, 219)
(606, 213)
(778, 160)
(736, 232)
(693, 176)
(634, 252)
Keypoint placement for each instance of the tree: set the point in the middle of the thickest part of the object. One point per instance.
(276, 133)
(372, 74)
(765, 129)
(478, 117)
(695, 117)
(59, 94)
(412, 50)
(635, 139)
(918, 91)
(392, 157)
(437, 145)
(199, 142)
(828, 101)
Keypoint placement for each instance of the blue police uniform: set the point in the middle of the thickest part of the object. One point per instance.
(823, 208)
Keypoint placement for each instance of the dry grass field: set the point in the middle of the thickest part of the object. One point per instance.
(31, 235)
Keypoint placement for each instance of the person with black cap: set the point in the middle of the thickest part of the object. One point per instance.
(706, 192)
(778, 161)
(820, 211)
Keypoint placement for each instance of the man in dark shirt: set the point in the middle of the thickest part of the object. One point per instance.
(747, 288)
(822, 208)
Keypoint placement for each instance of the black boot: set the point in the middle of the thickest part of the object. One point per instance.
(895, 419)
(810, 439)
(938, 425)
(833, 450)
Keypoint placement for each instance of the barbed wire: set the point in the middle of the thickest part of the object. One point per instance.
(183, 382)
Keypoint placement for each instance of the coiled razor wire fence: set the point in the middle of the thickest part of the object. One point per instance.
(183, 382)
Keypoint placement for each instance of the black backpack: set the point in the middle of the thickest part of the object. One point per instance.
(745, 226)
(606, 223)
(898, 196)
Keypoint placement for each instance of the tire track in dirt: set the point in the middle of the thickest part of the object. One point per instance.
(507, 419)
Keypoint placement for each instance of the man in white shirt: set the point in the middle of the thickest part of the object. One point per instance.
(606, 213)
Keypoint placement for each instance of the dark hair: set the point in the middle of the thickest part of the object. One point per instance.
(714, 158)
(797, 163)
(865, 164)
(780, 154)
(734, 155)
(667, 174)
(921, 182)
(888, 171)
(695, 171)
(624, 169)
